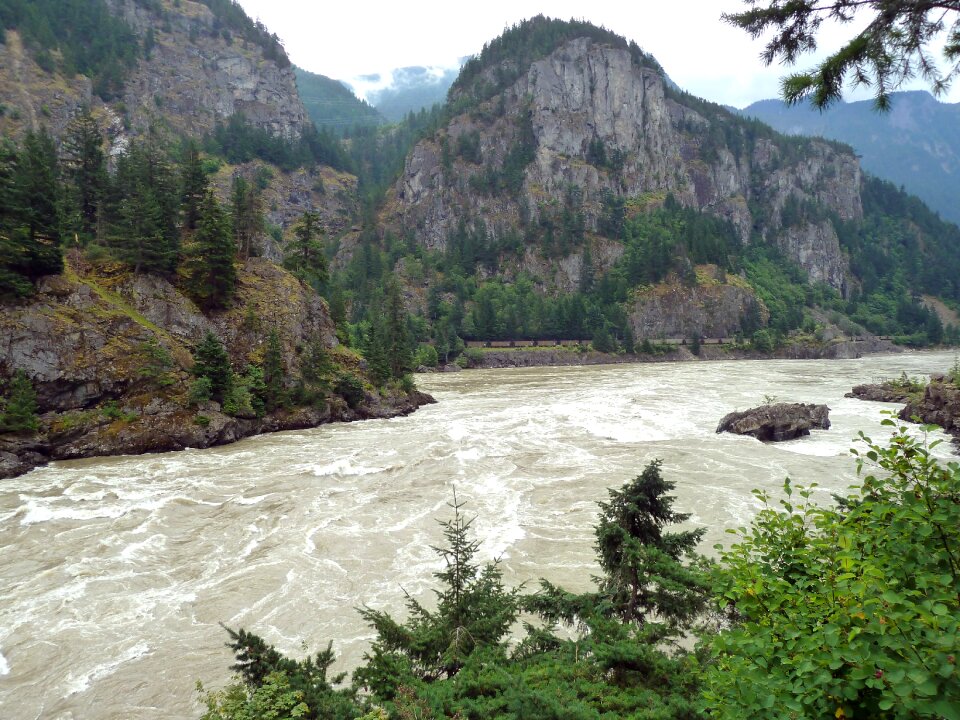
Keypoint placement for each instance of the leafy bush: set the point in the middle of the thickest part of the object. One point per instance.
(350, 388)
(200, 391)
(426, 355)
(850, 611)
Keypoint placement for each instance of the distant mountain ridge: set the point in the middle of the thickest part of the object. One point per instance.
(331, 104)
(413, 89)
(916, 144)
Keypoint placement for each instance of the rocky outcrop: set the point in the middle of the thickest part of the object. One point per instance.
(939, 405)
(881, 392)
(780, 421)
(88, 342)
(713, 307)
(587, 95)
(195, 75)
(285, 196)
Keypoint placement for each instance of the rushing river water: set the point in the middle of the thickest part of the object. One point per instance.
(115, 571)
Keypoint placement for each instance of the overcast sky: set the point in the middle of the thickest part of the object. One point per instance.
(703, 55)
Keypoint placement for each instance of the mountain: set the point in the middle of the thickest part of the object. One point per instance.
(412, 89)
(916, 144)
(569, 190)
(331, 104)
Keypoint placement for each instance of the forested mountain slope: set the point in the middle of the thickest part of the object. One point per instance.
(568, 189)
(332, 105)
(916, 145)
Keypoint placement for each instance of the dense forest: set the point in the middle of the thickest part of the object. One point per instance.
(331, 105)
(76, 36)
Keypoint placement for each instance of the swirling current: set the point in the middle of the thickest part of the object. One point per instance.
(115, 572)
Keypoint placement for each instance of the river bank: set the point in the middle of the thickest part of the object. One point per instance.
(568, 356)
(109, 356)
(164, 426)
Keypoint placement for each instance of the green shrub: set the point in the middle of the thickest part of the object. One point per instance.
(200, 390)
(426, 355)
(850, 611)
(350, 388)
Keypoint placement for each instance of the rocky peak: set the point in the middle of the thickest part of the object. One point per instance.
(594, 121)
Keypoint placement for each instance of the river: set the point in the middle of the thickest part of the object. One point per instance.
(114, 572)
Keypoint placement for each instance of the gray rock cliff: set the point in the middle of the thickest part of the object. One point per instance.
(656, 141)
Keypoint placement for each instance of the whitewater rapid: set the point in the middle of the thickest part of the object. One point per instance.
(117, 571)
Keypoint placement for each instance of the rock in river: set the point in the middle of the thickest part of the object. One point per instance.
(781, 421)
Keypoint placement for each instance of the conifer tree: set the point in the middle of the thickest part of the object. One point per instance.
(212, 362)
(397, 336)
(86, 168)
(305, 255)
(273, 372)
(193, 185)
(474, 611)
(643, 566)
(374, 349)
(142, 214)
(29, 213)
(37, 187)
(247, 213)
(211, 277)
(19, 411)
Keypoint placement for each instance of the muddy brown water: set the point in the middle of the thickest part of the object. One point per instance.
(114, 572)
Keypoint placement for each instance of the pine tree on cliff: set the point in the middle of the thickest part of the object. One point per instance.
(212, 362)
(305, 255)
(29, 214)
(398, 344)
(141, 214)
(86, 168)
(37, 188)
(210, 275)
(247, 213)
(19, 410)
(193, 185)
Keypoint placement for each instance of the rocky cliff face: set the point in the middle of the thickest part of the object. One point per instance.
(81, 339)
(596, 121)
(714, 307)
(85, 341)
(195, 75)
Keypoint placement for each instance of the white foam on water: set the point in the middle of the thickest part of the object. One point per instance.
(251, 500)
(345, 467)
(76, 684)
(458, 430)
(134, 551)
(468, 454)
(4, 665)
(249, 548)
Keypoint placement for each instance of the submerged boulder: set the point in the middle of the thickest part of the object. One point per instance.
(773, 423)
